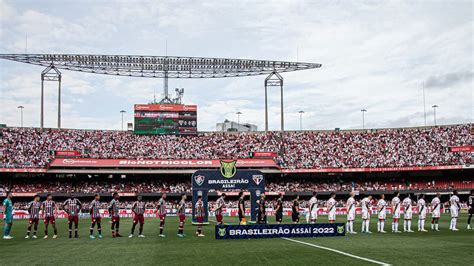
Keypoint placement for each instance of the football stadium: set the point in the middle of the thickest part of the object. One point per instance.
(355, 151)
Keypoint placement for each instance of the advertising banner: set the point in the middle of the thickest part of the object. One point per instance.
(23, 170)
(279, 230)
(467, 148)
(375, 169)
(263, 154)
(84, 162)
(60, 153)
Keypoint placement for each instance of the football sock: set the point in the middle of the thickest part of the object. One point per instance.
(99, 228)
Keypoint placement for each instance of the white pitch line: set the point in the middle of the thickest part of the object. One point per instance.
(337, 251)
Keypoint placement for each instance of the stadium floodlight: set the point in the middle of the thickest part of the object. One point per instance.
(434, 113)
(160, 66)
(122, 112)
(21, 107)
(301, 119)
(363, 118)
(163, 67)
(238, 119)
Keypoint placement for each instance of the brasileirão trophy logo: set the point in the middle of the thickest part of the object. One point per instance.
(228, 168)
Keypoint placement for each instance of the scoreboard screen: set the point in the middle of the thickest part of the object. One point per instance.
(165, 119)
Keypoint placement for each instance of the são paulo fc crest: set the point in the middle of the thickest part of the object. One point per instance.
(199, 179)
(340, 229)
(257, 179)
(228, 168)
(222, 232)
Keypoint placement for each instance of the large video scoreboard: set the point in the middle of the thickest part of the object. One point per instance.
(173, 119)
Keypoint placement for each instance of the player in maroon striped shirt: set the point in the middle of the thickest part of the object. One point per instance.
(138, 209)
(220, 205)
(114, 213)
(49, 208)
(95, 216)
(162, 213)
(33, 210)
(199, 213)
(182, 215)
(72, 206)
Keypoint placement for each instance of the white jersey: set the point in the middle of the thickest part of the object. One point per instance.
(313, 208)
(396, 207)
(351, 210)
(435, 207)
(366, 208)
(408, 208)
(454, 206)
(454, 202)
(382, 209)
(421, 204)
(313, 204)
(331, 206)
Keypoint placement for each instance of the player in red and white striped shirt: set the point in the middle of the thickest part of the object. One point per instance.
(182, 215)
(162, 213)
(95, 216)
(34, 210)
(72, 206)
(199, 209)
(49, 208)
(220, 208)
(138, 209)
(114, 213)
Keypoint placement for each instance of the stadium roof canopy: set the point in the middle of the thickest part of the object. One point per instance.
(160, 66)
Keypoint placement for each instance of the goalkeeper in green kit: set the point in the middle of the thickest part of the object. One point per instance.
(8, 216)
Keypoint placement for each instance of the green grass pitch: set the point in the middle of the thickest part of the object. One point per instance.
(432, 248)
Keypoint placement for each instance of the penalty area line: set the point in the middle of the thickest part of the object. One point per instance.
(336, 251)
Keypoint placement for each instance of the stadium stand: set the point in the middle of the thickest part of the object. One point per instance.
(30, 147)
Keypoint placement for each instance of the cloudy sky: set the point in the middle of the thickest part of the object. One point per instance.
(375, 55)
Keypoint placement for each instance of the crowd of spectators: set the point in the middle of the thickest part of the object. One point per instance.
(286, 184)
(31, 147)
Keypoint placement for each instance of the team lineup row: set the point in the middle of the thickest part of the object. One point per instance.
(381, 206)
(47, 209)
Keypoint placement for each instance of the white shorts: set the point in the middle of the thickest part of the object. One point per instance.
(436, 214)
(422, 215)
(332, 216)
(407, 215)
(454, 212)
(313, 215)
(382, 215)
(365, 215)
(351, 215)
(396, 215)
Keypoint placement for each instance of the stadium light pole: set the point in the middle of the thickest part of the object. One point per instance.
(21, 107)
(301, 119)
(434, 113)
(238, 118)
(122, 112)
(363, 118)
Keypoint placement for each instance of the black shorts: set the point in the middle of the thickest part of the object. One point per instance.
(295, 217)
(471, 210)
(279, 217)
